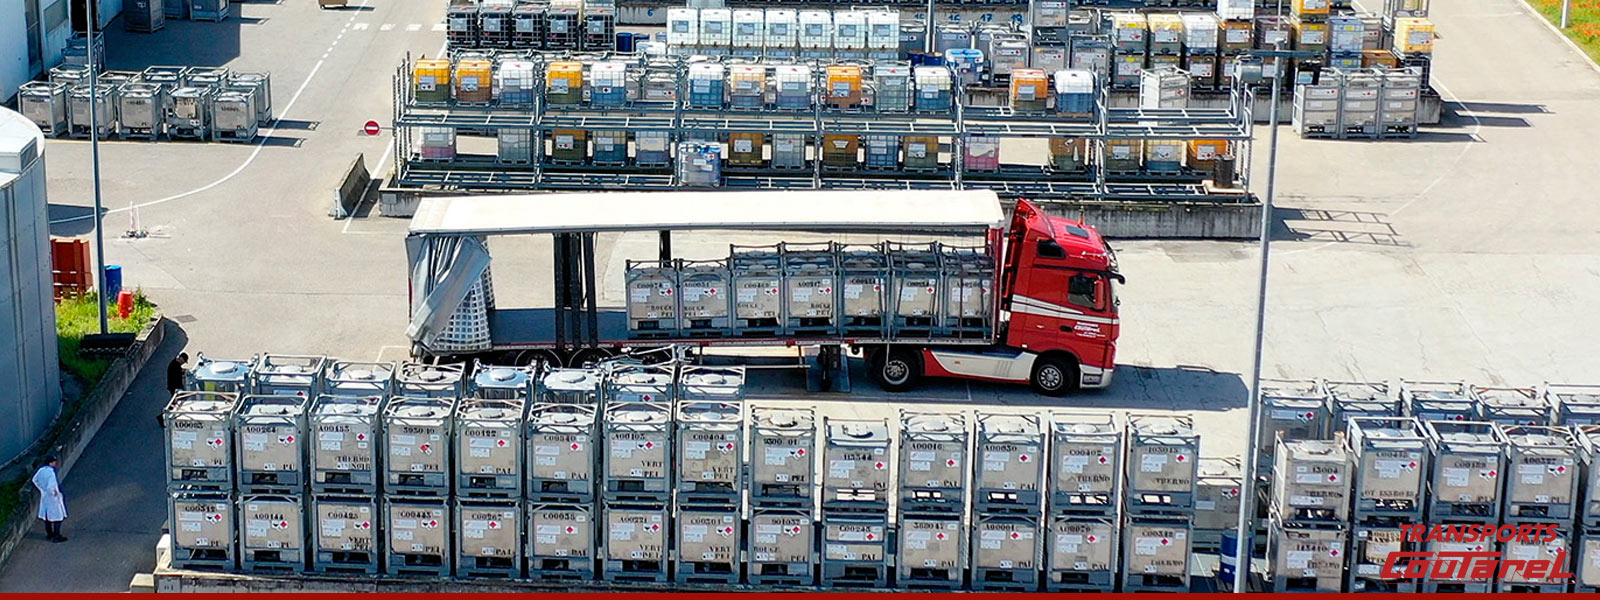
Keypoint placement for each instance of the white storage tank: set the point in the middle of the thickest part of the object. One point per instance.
(27, 309)
(716, 29)
(749, 31)
(849, 32)
(782, 33)
(683, 27)
(816, 33)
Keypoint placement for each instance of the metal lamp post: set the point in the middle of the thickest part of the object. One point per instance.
(89, 18)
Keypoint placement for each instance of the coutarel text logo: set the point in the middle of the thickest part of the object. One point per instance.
(1541, 555)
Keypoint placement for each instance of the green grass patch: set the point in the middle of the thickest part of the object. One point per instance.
(78, 317)
(1583, 22)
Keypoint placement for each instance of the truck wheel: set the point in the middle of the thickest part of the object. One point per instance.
(1054, 376)
(896, 370)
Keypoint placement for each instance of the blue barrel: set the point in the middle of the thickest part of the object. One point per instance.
(1228, 558)
(917, 58)
(933, 59)
(113, 282)
(625, 41)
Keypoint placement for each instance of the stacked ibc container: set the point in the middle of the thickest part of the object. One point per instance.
(1467, 469)
(1392, 476)
(1086, 452)
(1349, 399)
(199, 446)
(488, 446)
(561, 436)
(1129, 42)
(1543, 472)
(1235, 36)
(1574, 404)
(782, 480)
(857, 456)
(709, 444)
(1587, 546)
(933, 467)
(1294, 409)
(1438, 400)
(269, 470)
(418, 473)
(1158, 502)
(637, 484)
(1309, 22)
(344, 467)
(1201, 44)
(1309, 526)
(1008, 503)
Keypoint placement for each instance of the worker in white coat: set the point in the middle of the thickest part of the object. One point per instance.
(52, 506)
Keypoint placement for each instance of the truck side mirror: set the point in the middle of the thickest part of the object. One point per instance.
(1050, 249)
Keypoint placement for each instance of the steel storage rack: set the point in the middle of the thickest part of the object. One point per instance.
(345, 538)
(270, 445)
(933, 467)
(272, 534)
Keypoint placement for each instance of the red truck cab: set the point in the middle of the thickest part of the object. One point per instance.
(1058, 306)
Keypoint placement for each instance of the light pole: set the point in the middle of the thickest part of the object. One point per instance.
(1242, 552)
(89, 18)
(1566, 12)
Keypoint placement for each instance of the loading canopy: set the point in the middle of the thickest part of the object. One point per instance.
(931, 212)
(447, 254)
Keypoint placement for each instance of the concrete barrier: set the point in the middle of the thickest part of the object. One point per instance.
(351, 190)
(1165, 220)
(96, 407)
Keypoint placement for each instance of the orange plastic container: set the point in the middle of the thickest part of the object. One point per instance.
(474, 81)
(844, 86)
(1030, 90)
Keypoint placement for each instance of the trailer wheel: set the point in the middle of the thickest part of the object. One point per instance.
(1054, 376)
(896, 370)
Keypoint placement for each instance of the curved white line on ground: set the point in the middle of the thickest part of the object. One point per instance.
(1476, 130)
(260, 144)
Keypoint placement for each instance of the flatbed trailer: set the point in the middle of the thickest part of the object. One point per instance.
(1053, 277)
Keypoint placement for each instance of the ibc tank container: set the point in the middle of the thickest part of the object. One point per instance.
(417, 536)
(652, 148)
(212, 375)
(1161, 463)
(716, 28)
(757, 287)
(202, 532)
(560, 453)
(882, 152)
(569, 386)
(707, 544)
(346, 538)
(749, 29)
(419, 380)
(863, 301)
(810, 274)
(569, 146)
(1200, 33)
(747, 86)
(1129, 32)
(699, 164)
(952, 37)
(233, 115)
(921, 152)
(841, 151)
(560, 541)
(782, 32)
(1075, 91)
(1165, 33)
(849, 31)
(1030, 90)
(788, 151)
(1085, 457)
(891, 85)
(105, 117)
(431, 80)
(844, 86)
(982, 154)
(639, 383)
(488, 436)
(968, 65)
(636, 546)
(474, 81)
(416, 444)
(45, 105)
(1124, 155)
(436, 143)
(1048, 58)
(707, 85)
(358, 379)
(610, 147)
(1008, 56)
(1413, 36)
(683, 27)
(1164, 156)
(514, 146)
(1010, 463)
(883, 30)
(1069, 155)
(793, 86)
(501, 383)
(488, 539)
(783, 446)
(816, 30)
(199, 432)
(705, 291)
(933, 89)
(190, 113)
(710, 451)
(968, 297)
(933, 460)
(652, 298)
(564, 82)
(914, 273)
(857, 456)
(141, 109)
(637, 448)
(608, 84)
(271, 443)
(272, 534)
(344, 456)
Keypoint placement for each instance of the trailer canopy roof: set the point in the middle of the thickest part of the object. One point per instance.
(943, 212)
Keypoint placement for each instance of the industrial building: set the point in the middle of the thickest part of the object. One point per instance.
(30, 377)
(34, 36)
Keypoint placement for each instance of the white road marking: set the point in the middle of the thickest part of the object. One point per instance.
(414, 27)
(362, 26)
(386, 27)
(439, 27)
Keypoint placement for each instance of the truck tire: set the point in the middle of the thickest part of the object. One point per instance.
(1054, 376)
(896, 370)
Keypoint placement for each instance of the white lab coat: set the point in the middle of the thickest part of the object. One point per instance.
(52, 506)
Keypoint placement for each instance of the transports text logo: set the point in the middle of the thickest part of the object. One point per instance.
(1542, 554)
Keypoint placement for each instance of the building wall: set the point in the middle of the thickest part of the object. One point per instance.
(30, 375)
(14, 68)
(55, 28)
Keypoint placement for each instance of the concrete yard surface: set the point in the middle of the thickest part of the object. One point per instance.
(1467, 253)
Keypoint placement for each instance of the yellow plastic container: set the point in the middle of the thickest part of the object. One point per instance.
(1310, 36)
(1069, 155)
(563, 82)
(844, 86)
(1166, 33)
(1124, 155)
(1413, 35)
(569, 146)
(1206, 150)
(474, 79)
(1309, 8)
(1030, 89)
(841, 151)
(431, 80)
(921, 152)
(1374, 59)
(745, 149)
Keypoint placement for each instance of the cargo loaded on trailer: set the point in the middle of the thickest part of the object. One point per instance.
(1030, 300)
